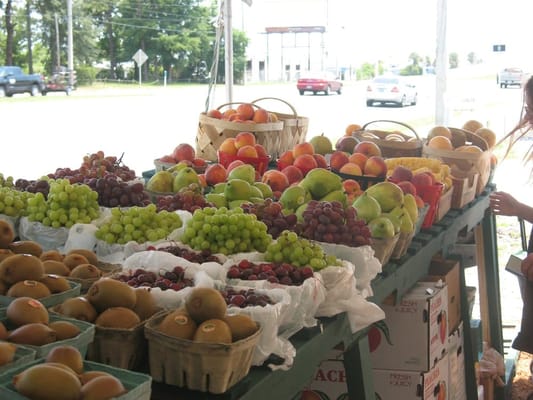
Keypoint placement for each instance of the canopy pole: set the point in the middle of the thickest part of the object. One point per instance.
(441, 66)
(228, 50)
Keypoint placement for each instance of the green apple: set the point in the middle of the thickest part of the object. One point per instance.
(367, 207)
(388, 195)
(381, 228)
(394, 219)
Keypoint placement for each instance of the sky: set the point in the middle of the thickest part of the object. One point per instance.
(380, 29)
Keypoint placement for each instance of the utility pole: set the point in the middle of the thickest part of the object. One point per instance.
(58, 48)
(70, 44)
(228, 49)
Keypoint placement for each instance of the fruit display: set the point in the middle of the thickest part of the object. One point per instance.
(183, 154)
(331, 222)
(67, 204)
(225, 231)
(297, 251)
(406, 168)
(274, 272)
(271, 213)
(140, 224)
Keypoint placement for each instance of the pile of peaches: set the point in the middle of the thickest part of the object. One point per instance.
(244, 113)
(243, 145)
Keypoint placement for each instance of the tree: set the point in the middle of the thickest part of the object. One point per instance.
(472, 58)
(10, 31)
(453, 59)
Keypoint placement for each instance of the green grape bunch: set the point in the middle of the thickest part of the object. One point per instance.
(139, 224)
(67, 204)
(226, 231)
(6, 181)
(299, 252)
(14, 203)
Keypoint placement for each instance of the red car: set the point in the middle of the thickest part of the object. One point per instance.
(319, 82)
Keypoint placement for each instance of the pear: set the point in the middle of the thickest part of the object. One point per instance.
(237, 189)
(320, 181)
(161, 181)
(219, 188)
(381, 228)
(388, 195)
(184, 178)
(321, 144)
(299, 212)
(178, 167)
(406, 223)
(217, 199)
(394, 219)
(246, 172)
(336, 195)
(367, 207)
(264, 188)
(292, 197)
(409, 202)
(237, 203)
(255, 192)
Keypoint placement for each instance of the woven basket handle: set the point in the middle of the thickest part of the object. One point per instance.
(236, 102)
(394, 122)
(276, 98)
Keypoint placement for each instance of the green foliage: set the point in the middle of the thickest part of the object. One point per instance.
(411, 70)
(86, 74)
(453, 59)
(365, 72)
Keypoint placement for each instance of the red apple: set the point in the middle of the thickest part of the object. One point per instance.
(407, 187)
(368, 148)
(346, 143)
(321, 161)
(375, 166)
(184, 151)
(401, 173)
(422, 179)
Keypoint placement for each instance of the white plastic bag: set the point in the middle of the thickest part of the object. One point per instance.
(81, 236)
(49, 238)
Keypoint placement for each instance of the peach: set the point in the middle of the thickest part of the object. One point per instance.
(243, 139)
(184, 151)
(338, 159)
(247, 151)
(302, 148)
(419, 201)
(440, 142)
(260, 116)
(228, 146)
(277, 180)
(352, 189)
(351, 128)
(229, 112)
(168, 159)
(305, 162)
(293, 173)
(233, 164)
(401, 173)
(261, 151)
(202, 180)
(235, 117)
(286, 158)
(367, 148)
(214, 113)
(321, 161)
(472, 125)
(407, 187)
(215, 173)
(351, 169)
(199, 162)
(246, 110)
(375, 166)
(359, 159)
(422, 179)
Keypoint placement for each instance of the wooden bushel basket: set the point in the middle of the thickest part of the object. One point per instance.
(465, 164)
(294, 126)
(213, 131)
(410, 147)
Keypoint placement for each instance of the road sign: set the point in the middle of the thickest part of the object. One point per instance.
(140, 57)
(498, 47)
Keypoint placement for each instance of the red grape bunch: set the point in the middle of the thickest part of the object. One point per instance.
(331, 222)
(198, 257)
(270, 213)
(243, 298)
(114, 192)
(173, 279)
(274, 272)
(188, 199)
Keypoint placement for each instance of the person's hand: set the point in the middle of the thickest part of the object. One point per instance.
(502, 203)
(527, 267)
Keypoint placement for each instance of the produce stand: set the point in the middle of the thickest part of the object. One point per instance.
(398, 276)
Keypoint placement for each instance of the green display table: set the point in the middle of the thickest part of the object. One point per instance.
(313, 345)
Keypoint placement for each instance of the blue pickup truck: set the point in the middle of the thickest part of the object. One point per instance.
(13, 80)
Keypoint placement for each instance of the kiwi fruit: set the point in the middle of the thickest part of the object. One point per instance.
(25, 310)
(73, 260)
(4, 287)
(78, 308)
(241, 326)
(3, 331)
(178, 324)
(64, 329)
(55, 267)
(56, 283)
(88, 254)
(20, 267)
(33, 334)
(7, 352)
(53, 255)
(102, 387)
(46, 381)
(89, 375)
(26, 247)
(85, 271)
(5, 253)
(7, 234)
(145, 304)
(118, 318)
(205, 303)
(68, 355)
(27, 288)
(108, 292)
(213, 331)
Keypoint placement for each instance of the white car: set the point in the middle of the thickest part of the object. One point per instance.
(391, 89)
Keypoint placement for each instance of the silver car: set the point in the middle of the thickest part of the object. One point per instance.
(391, 89)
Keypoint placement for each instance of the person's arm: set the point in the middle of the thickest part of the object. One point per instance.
(502, 203)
